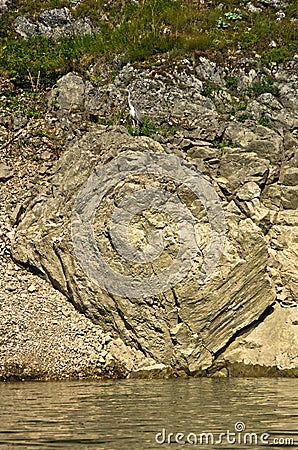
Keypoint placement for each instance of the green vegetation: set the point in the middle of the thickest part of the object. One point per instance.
(264, 119)
(261, 87)
(24, 103)
(140, 30)
(231, 84)
(242, 107)
(218, 143)
(210, 89)
(242, 117)
(148, 128)
(229, 17)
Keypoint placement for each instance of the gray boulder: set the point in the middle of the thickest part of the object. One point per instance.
(253, 169)
(25, 28)
(55, 23)
(68, 94)
(208, 70)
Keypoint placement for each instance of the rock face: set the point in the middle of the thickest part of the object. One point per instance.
(53, 23)
(269, 349)
(108, 231)
(185, 325)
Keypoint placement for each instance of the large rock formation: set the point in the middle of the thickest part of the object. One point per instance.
(106, 268)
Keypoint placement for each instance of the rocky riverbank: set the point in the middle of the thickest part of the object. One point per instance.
(239, 127)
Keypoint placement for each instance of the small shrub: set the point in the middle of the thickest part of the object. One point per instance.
(242, 117)
(231, 84)
(242, 107)
(217, 143)
(233, 16)
(264, 119)
(209, 89)
(148, 128)
(277, 54)
(221, 23)
(261, 87)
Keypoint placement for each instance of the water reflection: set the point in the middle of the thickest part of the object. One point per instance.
(128, 414)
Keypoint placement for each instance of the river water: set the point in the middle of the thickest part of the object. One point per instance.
(142, 414)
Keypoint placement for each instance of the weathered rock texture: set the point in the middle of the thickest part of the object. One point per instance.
(270, 349)
(5, 172)
(53, 23)
(183, 327)
(252, 167)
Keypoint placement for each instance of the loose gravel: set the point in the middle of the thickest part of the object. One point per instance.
(42, 336)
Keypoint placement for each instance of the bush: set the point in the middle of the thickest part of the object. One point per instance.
(261, 87)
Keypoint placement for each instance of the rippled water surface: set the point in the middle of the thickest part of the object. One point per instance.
(139, 414)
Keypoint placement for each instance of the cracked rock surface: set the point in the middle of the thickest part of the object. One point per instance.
(221, 327)
(53, 23)
(185, 325)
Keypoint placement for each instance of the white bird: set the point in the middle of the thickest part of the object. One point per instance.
(135, 113)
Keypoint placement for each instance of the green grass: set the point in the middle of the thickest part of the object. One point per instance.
(242, 117)
(264, 120)
(147, 129)
(144, 29)
(261, 87)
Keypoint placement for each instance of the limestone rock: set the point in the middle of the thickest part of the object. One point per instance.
(253, 170)
(290, 176)
(283, 238)
(5, 172)
(245, 79)
(154, 96)
(5, 5)
(252, 8)
(53, 23)
(270, 349)
(270, 101)
(243, 167)
(68, 95)
(249, 191)
(182, 327)
(261, 140)
(208, 70)
(289, 197)
(127, 357)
